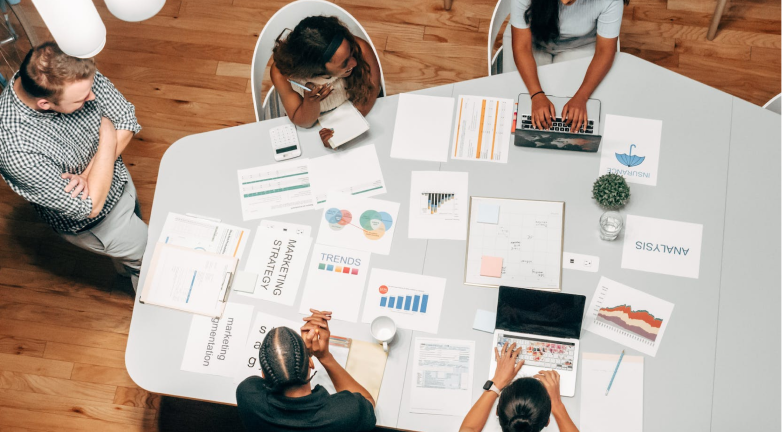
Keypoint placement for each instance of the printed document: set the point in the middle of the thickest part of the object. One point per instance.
(214, 345)
(204, 234)
(662, 246)
(631, 148)
(622, 410)
(438, 205)
(358, 223)
(483, 129)
(353, 172)
(277, 189)
(413, 301)
(442, 376)
(422, 129)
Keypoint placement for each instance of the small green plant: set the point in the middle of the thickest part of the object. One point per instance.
(611, 191)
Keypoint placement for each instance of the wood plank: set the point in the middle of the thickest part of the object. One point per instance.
(675, 31)
(641, 42)
(65, 317)
(665, 59)
(765, 55)
(203, 37)
(459, 37)
(708, 49)
(48, 421)
(56, 386)
(231, 69)
(136, 397)
(426, 48)
(751, 9)
(178, 49)
(703, 19)
(86, 355)
(236, 14)
(734, 76)
(191, 79)
(38, 296)
(418, 13)
(185, 93)
(408, 71)
(16, 345)
(78, 408)
(102, 375)
(62, 265)
(47, 282)
(34, 365)
(59, 333)
(205, 110)
(179, 63)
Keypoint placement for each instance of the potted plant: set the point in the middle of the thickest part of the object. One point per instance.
(611, 191)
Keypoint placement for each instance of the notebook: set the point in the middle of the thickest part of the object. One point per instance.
(346, 121)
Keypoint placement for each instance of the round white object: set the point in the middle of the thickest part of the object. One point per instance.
(134, 10)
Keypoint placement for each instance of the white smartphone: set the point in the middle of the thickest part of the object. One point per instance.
(285, 142)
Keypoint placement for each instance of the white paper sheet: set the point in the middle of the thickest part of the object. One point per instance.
(277, 189)
(214, 345)
(623, 409)
(484, 321)
(335, 281)
(438, 205)
(628, 316)
(358, 223)
(422, 129)
(413, 301)
(278, 258)
(355, 172)
(483, 129)
(286, 227)
(442, 376)
(322, 378)
(662, 246)
(631, 148)
(528, 238)
(247, 363)
(203, 234)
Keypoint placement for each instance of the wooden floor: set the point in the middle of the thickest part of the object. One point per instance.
(64, 315)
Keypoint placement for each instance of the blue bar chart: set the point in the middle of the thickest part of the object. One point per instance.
(412, 303)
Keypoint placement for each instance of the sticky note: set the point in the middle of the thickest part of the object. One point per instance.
(244, 282)
(488, 213)
(484, 321)
(491, 266)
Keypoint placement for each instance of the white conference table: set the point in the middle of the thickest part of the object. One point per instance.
(719, 166)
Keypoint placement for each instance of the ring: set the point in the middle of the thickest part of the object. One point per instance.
(317, 94)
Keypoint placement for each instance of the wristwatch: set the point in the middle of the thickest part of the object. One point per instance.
(490, 386)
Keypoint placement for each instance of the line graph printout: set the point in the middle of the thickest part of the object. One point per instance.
(483, 129)
(527, 236)
(276, 189)
(628, 316)
(438, 205)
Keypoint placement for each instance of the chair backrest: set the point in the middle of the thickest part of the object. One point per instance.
(775, 104)
(501, 12)
(288, 17)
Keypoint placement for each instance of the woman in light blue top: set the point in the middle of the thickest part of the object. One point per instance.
(551, 31)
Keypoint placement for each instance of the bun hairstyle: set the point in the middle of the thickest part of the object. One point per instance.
(301, 54)
(524, 406)
(284, 359)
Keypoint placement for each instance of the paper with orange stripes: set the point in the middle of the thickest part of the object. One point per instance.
(483, 129)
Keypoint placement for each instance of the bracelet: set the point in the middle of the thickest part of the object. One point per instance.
(536, 94)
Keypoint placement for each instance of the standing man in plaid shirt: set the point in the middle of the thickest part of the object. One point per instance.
(63, 127)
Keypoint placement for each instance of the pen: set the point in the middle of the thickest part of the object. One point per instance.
(515, 112)
(616, 369)
(298, 85)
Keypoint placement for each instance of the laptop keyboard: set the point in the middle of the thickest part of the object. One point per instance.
(558, 125)
(540, 353)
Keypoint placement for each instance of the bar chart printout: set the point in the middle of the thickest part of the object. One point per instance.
(434, 203)
(438, 205)
(628, 316)
(413, 301)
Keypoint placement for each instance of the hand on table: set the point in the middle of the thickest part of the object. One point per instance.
(507, 368)
(77, 185)
(575, 114)
(325, 136)
(542, 112)
(316, 333)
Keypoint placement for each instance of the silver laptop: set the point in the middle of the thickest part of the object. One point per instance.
(559, 135)
(547, 326)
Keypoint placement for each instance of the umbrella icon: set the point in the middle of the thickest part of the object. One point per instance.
(630, 160)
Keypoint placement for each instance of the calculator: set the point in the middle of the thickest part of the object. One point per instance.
(285, 142)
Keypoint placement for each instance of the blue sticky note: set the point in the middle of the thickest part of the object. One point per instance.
(484, 321)
(488, 213)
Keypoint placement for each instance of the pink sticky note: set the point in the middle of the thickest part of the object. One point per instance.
(491, 266)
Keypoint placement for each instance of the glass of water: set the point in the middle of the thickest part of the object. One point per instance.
(611, 224)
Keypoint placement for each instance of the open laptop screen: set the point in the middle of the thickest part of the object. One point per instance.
(540, 312)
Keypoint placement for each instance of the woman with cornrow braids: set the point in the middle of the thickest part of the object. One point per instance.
(282, 398)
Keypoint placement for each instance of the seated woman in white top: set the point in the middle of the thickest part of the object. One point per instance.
(551, 31)
(322, 55)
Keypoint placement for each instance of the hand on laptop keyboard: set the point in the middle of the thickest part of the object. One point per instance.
(575, 111)
(557, 125)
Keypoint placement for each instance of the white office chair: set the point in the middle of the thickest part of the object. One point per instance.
(775, 104)
(502, 60)
(288, 17)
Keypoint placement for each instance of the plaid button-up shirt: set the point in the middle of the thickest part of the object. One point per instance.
(36, 148)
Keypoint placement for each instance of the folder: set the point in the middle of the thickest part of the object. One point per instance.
(189, 280)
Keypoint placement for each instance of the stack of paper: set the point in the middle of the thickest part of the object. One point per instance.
(623, 408)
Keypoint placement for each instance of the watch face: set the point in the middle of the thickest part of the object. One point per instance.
(488, 385)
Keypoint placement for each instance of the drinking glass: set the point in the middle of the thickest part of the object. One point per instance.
(611, 224)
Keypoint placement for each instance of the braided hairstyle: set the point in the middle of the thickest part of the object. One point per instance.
(284, 359)
(524, 406)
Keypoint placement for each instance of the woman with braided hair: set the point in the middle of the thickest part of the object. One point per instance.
(320, 65)
(282, 399)
(525, 405)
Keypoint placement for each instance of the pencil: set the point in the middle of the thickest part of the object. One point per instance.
(616, 369)
(298, 85)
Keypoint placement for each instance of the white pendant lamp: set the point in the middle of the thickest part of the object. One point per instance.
(134, 10)
(75, 25)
